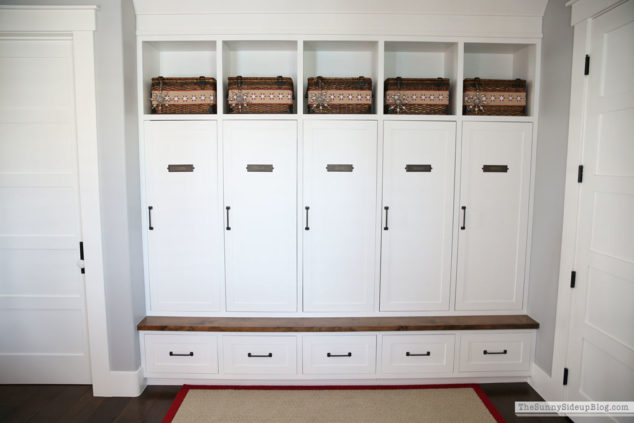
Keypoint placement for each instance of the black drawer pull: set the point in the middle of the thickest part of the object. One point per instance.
(269, 355)
(339, 355)
(228, 226)
(189, 354)
(485, 352)
(409, 354)
(149, 218)
(307, 227)
(464, 218)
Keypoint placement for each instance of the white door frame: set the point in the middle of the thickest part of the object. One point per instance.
(583, 11)
(78, 22)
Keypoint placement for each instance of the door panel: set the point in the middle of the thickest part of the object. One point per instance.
(260, 164)
(339, 246)
(42, 300)
(416, 241)
(185, 255)
(601, 343)
(494, 208)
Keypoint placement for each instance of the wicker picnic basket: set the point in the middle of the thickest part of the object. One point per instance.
(501, 97)
(183, 95)
(260, 95)
(417, 96)
(339, 95)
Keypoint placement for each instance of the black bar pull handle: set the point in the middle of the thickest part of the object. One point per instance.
(228, 226)
(409, 354)
(339, 355)
(387, 211)
(464, 218)
(149, 217)
(307, 228)
(189, 354)
(269, 355)
(485, 352)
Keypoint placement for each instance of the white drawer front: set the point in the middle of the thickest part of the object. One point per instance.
(495, 352)
(344, 354)
(259, 355)
(181, 354)
(415, 354)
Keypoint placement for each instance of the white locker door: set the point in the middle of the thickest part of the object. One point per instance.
(184, 232)
(260, 162)
(340, 222)
(418, 184)
(494, 192)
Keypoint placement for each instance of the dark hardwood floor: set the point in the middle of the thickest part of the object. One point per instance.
(75, 404)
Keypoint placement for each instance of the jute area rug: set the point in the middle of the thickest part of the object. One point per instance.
(332, 404)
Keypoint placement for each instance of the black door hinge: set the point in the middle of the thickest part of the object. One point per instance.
(81, 256)
(580, 174)
(565, 376)
(573, 278)
(586, 69)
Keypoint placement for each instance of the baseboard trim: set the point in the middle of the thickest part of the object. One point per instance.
(337, 382)
(125, 384)
(549, 387)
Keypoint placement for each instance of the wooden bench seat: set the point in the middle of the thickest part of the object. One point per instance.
(336, 324)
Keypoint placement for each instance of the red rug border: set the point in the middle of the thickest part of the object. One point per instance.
(182, 393)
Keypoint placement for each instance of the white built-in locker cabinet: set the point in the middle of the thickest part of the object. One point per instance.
(260, 177)
(418, 179)
(340, 171)
(494, 192)
(184, 234)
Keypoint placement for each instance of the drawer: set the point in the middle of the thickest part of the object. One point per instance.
(259, 355)
(181, 354)
(415, 354)
(339, 354)
(495, 352)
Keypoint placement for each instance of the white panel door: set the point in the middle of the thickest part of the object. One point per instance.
(184, 233)
(42, 306)
(418, 185)
(494, 194)
(260, 164)
(340, 215)
(601, 345)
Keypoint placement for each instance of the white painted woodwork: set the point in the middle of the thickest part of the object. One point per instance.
(434, 18)
(416, 246)
(378, 356)
(495, 352)
(339, 354)
(184, 248)
(601, 341)
(492, 247)
(42, 298)
(181, 354)
(259, 355)
(261, 246)
(415, 355)
(339, 247)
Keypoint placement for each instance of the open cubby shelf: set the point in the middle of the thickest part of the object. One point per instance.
(376, 59)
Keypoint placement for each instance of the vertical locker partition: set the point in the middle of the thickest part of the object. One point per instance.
(184, 237)
(339, 215)
(260, 168)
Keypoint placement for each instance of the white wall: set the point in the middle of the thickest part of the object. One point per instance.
(115, 61)
(552, 139)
